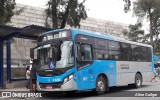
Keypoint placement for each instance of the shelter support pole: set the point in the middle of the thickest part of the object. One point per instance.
(1, 64)
(8, 49)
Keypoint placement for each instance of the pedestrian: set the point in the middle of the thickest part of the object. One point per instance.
(155, 72)
(33, 76)
(27, 77)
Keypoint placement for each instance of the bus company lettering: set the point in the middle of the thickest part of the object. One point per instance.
(123, 66)
(83, 38)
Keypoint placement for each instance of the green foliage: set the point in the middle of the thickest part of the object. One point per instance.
(151, 10)
(147, 8)
(6, 10)
(157, 47)
(134, 32)
(62, 12)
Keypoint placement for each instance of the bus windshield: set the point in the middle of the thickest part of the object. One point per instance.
(56, 56)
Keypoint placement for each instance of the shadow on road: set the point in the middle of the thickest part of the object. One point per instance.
(113, 91)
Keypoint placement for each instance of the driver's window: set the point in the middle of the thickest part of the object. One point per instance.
(84, 52)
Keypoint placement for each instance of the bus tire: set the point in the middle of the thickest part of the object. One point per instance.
(138, 80)
(100, 86)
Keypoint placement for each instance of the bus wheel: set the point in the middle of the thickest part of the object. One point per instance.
(100, 86)
(138, 80)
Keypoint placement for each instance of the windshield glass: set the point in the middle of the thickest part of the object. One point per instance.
(56, 56)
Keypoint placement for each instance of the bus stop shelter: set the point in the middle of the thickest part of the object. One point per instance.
(6, 33)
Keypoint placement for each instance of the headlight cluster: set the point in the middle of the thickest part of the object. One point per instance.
(68, 78)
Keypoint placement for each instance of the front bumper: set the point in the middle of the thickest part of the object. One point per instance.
(68, 86)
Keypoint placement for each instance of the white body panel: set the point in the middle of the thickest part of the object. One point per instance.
(126, 71)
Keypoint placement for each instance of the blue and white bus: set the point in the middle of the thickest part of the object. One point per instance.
(75, 60)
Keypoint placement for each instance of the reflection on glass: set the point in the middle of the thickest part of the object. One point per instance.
(60, 54)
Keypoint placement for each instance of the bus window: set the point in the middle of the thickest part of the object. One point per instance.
(114, 55)
(149, 53)
(114, 50)
(106, 55)
(125, 52)
(99, 54)
(113, 45)
(100, 43)
(84, 52)
(136, 53)
(145, 54)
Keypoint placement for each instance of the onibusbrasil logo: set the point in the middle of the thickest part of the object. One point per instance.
(19, 94)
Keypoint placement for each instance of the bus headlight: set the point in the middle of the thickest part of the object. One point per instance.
(68, 78)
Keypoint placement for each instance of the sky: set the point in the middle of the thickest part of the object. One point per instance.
(111, 10)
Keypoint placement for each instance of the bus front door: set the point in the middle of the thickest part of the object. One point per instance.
(86, 77)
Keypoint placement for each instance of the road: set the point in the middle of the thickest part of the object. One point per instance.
(115, 93)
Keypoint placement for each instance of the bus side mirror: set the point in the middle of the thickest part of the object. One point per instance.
(32, 53)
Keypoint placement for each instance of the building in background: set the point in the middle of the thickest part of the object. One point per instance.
(32, 15)
(103, 26)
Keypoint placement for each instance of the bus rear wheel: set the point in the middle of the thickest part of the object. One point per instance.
(100, 86)
(138, 81)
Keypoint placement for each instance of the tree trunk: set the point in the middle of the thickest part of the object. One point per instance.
(66, 14)
(151, 28)
(1, 11)
(54, 14)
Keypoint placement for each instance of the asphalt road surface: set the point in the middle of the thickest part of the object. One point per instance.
(149, 91)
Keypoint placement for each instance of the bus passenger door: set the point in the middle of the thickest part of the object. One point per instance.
(85, 73)
(84, 61)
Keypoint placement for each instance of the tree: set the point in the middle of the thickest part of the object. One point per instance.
(134, 32)
(150, 9)
(157, 47)
(127, 5)
(6, 10)
(62, 12)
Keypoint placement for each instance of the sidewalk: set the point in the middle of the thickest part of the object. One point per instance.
(14, 89)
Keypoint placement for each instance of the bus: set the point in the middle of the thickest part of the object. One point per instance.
(77, 60)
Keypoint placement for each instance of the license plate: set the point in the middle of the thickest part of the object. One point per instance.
(49, 87)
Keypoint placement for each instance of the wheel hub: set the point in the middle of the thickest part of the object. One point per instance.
(138, 81)
(100, 86)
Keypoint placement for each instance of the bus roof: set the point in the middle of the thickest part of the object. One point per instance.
(56, 30)
(98, 35)
(94, 34)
